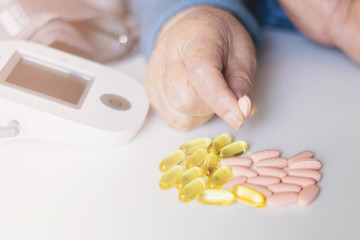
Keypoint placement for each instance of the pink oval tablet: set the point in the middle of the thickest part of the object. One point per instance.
(303, 154)
(263, 180)
(234, 181)
(308, 195)
(260, 155)
(270, 171)
(281, 199)
(298, 180)
(242, 171)
(308, 173)
(273, 162)
(306, 163)
(236, 161)
(263, 190)
(245, 105)
(284, 187)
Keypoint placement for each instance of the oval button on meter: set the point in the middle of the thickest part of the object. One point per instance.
(115, 102)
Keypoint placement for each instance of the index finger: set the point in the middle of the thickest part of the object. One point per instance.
(204, 70)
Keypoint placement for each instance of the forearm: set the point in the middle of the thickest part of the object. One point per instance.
(153, 14)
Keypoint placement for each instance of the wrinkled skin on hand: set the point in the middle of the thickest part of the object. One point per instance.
(330, 22)
(203, 62)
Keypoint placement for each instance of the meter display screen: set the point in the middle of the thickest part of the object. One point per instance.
(49, 80)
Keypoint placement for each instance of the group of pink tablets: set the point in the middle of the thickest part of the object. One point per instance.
(282, 181)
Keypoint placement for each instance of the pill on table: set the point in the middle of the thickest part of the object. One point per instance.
(308, 173)
(234, 181)
(248, 196)
(308, 195)
(305, 163)
(192, 189)
(263, 180)
(243, 171)
(220, 142)
(302, 181)
(211, 185)
(211, 164)
(281, 199)
(221, 175)
(303, 154)
(273, 162)
(260, 155)
(196, 159)
(174, 158)
(284, 187)
(271, 171)
(188, 176)
(171, 177)
(263, 190)
(233, 149)
(198, 143)
(236, 161)
(216, 197)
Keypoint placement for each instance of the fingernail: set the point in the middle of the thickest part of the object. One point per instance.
(245, 105)
(233, 121)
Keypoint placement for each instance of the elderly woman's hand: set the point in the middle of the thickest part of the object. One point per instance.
(203, 63)
(331, 22)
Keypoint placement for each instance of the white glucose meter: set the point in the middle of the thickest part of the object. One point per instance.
(53, 96)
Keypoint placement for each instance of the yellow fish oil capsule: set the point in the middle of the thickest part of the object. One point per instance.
(234, 149)
(198, 143)
(196, 159)
(221, 176)
(220, 142)
(192, 189)
(248, 196)
(211, 164)
(174, 158)
(188, 176)
(211, 185)
(216, 197)
(171, 177)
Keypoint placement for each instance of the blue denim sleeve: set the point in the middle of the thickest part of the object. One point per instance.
(268, 13)
(152, 14)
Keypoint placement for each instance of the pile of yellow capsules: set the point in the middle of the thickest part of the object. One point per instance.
(211, 172)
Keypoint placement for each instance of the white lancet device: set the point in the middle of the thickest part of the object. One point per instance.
(53, 96)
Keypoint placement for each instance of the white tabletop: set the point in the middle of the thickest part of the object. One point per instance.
(308, 98)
